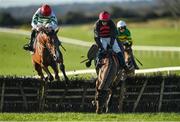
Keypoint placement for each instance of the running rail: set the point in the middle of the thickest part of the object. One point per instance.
(156, 70)
(141, 71)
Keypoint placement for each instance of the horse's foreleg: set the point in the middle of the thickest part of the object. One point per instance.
(50, 77)
(96, 101)
(98, 111)
(56, 72)
(39, 70)
(107, 101)
(95, 98)
(98, 98)
(101, 98)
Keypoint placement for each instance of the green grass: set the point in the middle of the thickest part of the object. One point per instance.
(86, 117)
(82, 32)
(156, 36)
(143, 35)
(158, 59)
(15, 61)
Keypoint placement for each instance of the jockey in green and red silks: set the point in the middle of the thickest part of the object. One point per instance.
(124, 37)
(45, 17)
(105, 33)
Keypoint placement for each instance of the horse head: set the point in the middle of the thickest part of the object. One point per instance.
(44, 38)
(51, 48)
(105, 57)
(108, 67)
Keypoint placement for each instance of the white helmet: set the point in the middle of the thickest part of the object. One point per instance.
(121, 24)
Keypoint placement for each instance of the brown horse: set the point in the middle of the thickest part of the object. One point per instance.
(109, 73)
(129, 59)
(45, 55)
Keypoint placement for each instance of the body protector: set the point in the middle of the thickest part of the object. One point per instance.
(105, 35)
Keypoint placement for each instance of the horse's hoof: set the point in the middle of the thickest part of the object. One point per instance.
(98, 112)
(93, 102)
(42, 78)
(123, 75)
(51, 78)
(107, 110)
(66, 80)
(88, 64)
(57, 78)
(45, 79)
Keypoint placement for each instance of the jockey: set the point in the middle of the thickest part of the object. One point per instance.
(105, 33)
(124, 36)
(45, 17)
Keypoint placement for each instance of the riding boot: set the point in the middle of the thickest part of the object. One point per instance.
(88, 64)
(31, 42)
(121, 60)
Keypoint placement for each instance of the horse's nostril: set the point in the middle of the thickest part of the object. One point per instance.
(55, 57)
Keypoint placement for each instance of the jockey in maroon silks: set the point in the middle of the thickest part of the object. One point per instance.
(105, 34)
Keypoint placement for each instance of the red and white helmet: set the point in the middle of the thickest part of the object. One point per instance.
(104, 16)
(45, 10)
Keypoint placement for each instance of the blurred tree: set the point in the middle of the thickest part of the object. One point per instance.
(77, 18)
(6, 19)
(74, 17)
(118, 12)
(174, 7)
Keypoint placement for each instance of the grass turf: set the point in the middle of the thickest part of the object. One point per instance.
(89, 117)
(15, 61)
(156, 32)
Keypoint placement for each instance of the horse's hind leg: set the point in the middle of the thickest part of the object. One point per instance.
(42, 87)
(42, 95)
(62, 68)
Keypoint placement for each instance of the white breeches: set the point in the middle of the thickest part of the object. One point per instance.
(106, 41)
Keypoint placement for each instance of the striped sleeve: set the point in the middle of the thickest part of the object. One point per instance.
(35, 18)
(54, 19)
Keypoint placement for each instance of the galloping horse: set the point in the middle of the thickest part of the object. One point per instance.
(128, 55)
(109, 74)
(45, 55)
